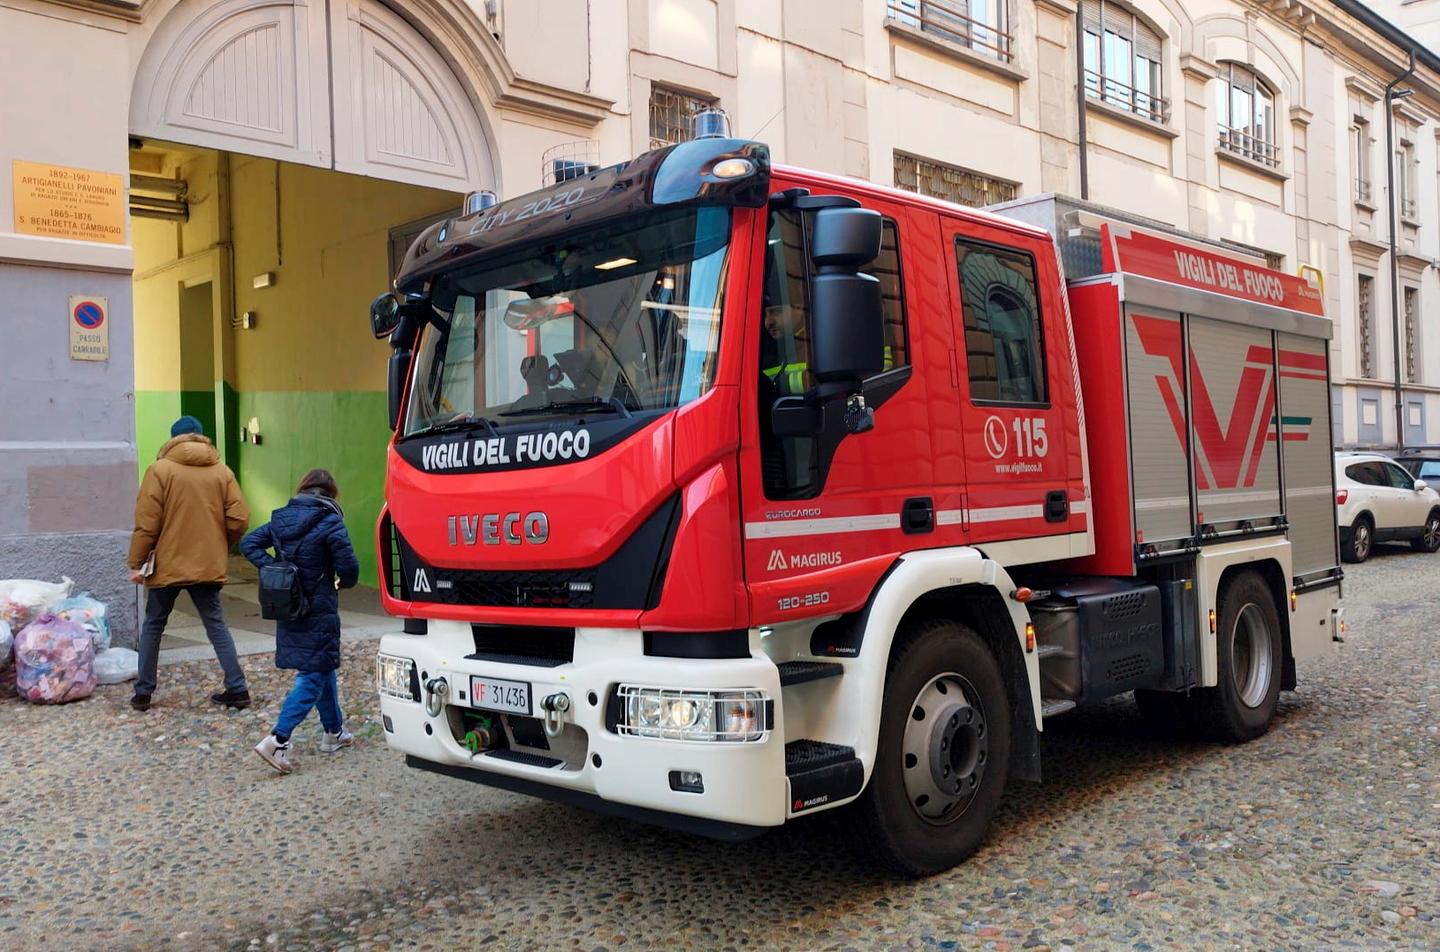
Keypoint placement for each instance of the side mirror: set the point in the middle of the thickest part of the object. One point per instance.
(847, 331)
(1421, 485)
(385, 314)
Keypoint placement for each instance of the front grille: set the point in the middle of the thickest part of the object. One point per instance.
(390, 554)
(571, 588)
(541, 647)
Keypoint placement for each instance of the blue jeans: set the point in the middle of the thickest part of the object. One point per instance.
(312, 689)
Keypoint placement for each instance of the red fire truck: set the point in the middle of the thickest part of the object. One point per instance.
(724, 494)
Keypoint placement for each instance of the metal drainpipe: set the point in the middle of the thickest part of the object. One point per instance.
(1080, 100)
(1391, 212)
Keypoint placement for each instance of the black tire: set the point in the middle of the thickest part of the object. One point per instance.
(950, 655)
(1357, 546)
(1249, 642)
(1429, 538)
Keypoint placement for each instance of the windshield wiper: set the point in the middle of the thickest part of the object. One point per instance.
(595, 404)
(451, 426)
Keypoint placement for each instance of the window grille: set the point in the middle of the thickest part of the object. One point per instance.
(1364, 305)
(951, 183)
(1412, 332)
(670, 114)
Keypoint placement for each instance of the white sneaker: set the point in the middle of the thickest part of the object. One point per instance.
(333, 742)
(275, 753)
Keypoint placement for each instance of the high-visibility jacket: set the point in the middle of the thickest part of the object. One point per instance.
(790, 378)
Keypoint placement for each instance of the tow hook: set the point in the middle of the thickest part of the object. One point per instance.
(436, 690)
(554, 705)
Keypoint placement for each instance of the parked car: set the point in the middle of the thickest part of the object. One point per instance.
(1422, 464)
(1380, 501)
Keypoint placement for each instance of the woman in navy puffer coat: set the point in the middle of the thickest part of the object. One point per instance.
(310, 533)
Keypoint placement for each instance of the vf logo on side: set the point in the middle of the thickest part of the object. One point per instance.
(997, 440)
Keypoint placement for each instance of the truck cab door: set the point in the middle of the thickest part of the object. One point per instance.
(826, 515)
(1018, 392)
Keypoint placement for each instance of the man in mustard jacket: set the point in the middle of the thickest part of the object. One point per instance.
(188, 514)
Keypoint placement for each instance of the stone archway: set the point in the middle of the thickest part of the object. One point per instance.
(342, 84)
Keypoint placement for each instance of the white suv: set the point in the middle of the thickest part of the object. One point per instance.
(1378, 501)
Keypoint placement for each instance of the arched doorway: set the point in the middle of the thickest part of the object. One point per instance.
(343, 84)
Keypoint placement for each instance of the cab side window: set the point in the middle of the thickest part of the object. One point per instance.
(791, 466)
(1001, 307)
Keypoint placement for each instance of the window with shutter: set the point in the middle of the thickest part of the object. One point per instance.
(980, 25)
(1245, 108)
(1122, 60)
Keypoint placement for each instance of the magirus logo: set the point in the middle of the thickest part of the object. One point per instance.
(779, 561)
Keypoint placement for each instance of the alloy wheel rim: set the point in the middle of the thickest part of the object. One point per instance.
(1251, 655)
(1432, 533)
(945, 749)
(1362, 539)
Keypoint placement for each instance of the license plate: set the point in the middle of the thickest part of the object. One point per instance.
(493, 694)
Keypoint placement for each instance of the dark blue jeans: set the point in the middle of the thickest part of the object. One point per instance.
(159, 602)
(312, 689)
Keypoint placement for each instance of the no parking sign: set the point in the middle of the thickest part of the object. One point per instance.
(89, 327)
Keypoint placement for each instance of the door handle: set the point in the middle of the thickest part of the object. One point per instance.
(1057, 506)
(917, 516)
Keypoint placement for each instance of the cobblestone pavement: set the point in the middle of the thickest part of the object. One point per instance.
(120, 830)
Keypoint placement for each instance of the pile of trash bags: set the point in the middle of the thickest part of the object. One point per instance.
(54, 647)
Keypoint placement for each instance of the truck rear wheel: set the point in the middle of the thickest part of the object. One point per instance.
(943, 754)
(1248, 646)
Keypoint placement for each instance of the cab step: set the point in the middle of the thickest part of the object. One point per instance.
(1050, 706)
(798, 672)
(1047, 651)
(821, 773)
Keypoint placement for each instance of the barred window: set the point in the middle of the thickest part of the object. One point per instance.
(951, 183)
(670, 114)
(1245, 107)
(1412, 334)
(1122, 60)
(1365, 311)
(980, 25)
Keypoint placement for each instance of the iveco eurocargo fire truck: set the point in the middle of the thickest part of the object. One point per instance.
(723, 494)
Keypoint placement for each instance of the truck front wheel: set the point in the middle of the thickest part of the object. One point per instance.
(943, 753)
(1248, 645)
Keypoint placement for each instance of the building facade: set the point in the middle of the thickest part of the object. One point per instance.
(224, 184)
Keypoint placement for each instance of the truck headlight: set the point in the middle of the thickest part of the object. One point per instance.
(397, 677)
(679, 714)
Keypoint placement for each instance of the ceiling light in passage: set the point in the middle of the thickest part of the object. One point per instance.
(614, 263)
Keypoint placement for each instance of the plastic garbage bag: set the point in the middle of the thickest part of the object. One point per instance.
(117, 665)
(7, 660)
(54, 661)
(23, 599)
(88, 612)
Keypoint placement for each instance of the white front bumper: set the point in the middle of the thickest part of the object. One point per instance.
(744, 783)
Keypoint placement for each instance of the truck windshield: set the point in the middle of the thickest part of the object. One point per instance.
(615, 320)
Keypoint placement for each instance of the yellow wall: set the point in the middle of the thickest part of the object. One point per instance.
(328, 248)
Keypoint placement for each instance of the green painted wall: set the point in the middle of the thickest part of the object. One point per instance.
(344, 432)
